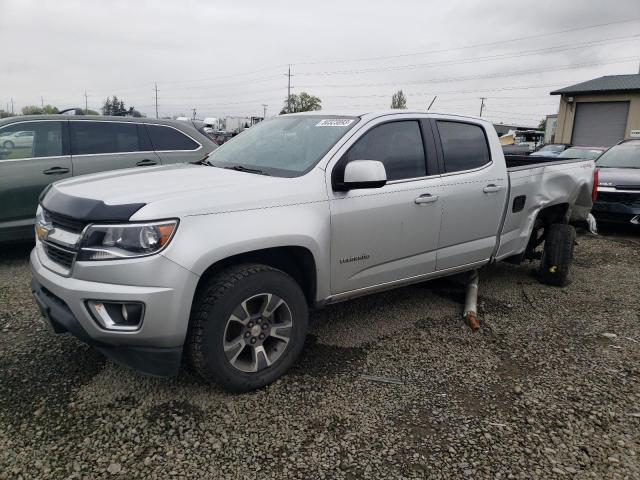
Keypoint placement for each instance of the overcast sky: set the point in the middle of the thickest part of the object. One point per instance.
(230, 57)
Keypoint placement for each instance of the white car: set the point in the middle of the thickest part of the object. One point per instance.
(12, 140)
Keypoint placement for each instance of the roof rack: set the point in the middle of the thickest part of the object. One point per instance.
(72, 111)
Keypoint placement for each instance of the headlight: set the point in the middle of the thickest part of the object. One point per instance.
(111, 242)
(42, 225)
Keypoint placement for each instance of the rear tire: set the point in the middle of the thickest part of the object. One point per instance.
(8, 145)
(557, 255)
(238, 337)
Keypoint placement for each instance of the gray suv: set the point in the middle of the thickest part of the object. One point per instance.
(37, 150)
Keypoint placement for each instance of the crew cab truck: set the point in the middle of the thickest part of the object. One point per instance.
(219, 262)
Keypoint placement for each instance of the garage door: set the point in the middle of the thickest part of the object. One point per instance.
(599, 123)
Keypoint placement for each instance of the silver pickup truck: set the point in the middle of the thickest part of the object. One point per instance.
(219, 262)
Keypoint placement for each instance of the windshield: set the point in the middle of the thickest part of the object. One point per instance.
(552, 148)
(286, 146)
(581, 153)
(625, 155)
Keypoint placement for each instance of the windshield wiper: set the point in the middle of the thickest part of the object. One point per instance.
(242, 168)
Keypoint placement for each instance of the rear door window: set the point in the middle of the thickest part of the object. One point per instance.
(398, 145)
(89, 137)
(464, 146)
(170, 139)
(31, 140)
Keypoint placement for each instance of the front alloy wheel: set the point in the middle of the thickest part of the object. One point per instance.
(258, 332)
(247, 327)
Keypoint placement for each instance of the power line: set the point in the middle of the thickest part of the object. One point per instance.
(480, 77)
(476, 45)
(500, 56)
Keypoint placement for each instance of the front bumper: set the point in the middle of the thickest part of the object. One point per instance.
(161, 362)
(156, 347)
(616, 212)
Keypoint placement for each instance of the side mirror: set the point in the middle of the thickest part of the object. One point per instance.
(364, 174)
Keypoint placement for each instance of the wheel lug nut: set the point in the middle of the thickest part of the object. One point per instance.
(247, 335)
(250, 324)
(261, 336)
(264, 326)
(258, 321)
(253, 340)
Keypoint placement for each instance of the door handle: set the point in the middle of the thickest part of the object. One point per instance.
(146, 163)
(426, 198)
(492, 188)
(55, 171)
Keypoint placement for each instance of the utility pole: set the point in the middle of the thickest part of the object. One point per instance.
(482, 104)
(194, 114)
(288, 74)
(156, 90)
(86, 102)
(264, 111)
(12, 111)
(42, 102)
(432, 102)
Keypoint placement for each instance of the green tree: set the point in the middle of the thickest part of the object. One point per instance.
(50, 109)
(35, 110)
(301, 103)
(31, 110)
(115, 106)
(398, 100)
(543, 124)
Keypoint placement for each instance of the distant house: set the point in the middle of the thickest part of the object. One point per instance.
(599, 112)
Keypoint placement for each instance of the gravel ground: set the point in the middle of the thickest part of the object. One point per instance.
(389, 386)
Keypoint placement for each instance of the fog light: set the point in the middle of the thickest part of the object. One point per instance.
(122, 316)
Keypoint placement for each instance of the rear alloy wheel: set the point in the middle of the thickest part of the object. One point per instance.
(248, 326)
(9, 145)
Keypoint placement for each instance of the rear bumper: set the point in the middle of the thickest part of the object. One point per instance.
(58, 317)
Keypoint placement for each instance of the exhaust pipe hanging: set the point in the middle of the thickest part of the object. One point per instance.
(471, 301)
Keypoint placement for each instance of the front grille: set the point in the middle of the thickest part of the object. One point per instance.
(60, 255)
(630, 199)
(64, 222)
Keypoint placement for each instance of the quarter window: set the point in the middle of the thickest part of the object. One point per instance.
(31, 139)
(103, 137)
(464, 146)
(398, 145)
(167, 138)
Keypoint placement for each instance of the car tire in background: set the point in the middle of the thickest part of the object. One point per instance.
(248, 326)
(557, 255)
(9, 145)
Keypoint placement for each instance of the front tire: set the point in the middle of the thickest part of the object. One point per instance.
(557, 255)
(248, 326)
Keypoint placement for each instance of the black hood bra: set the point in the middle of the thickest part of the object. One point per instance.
(87, 209)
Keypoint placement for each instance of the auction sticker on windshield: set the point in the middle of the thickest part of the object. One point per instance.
(335, 122)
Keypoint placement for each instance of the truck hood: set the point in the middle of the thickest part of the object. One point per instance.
(620, 178)
(185, 189)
